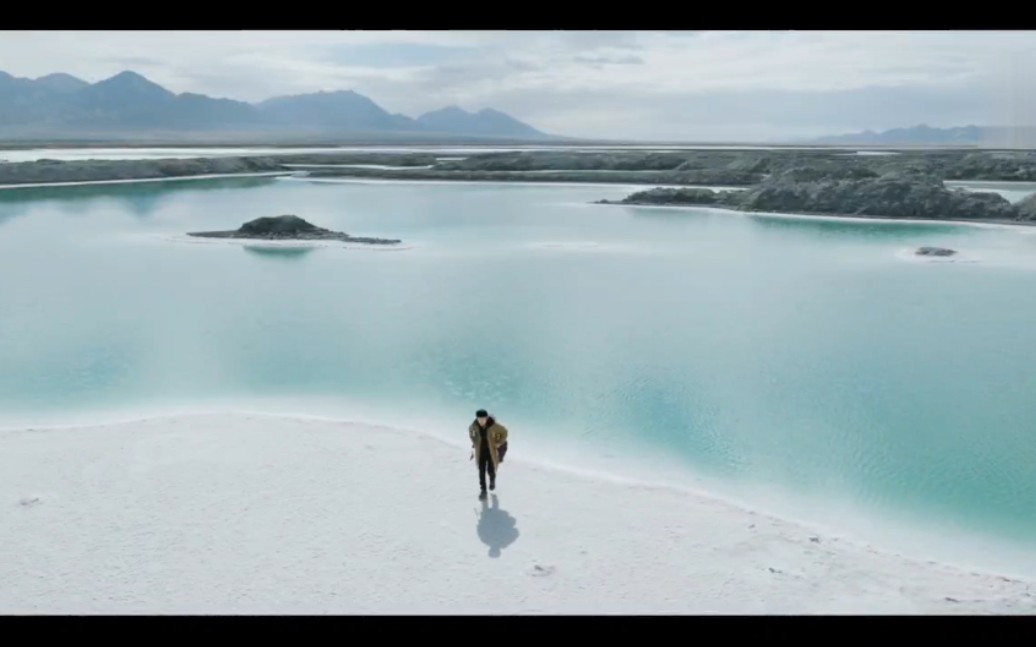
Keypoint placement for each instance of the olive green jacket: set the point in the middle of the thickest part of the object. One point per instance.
(496, 434)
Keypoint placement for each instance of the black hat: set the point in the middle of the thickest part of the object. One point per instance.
(481, 413)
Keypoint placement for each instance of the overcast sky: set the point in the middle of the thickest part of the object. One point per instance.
(703, 86)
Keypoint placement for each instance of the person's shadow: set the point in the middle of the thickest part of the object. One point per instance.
(496, 528)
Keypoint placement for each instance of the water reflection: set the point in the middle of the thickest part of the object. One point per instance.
(279, 253)
(875, 228)
(140, 198)
(811, 226)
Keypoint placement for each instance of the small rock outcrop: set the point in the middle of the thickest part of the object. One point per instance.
(288, 227)
(935, 251)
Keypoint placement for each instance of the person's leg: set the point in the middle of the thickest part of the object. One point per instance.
(483, 462)
(492, 472)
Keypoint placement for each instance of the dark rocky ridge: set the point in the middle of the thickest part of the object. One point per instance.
(692, 177)
(53, 171)
(385, 159)
(569, 161)
(757, 164)
(894, 195)
(288, 227)
(725, 167)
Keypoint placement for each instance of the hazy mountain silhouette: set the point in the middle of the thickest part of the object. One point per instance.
(485, 122)
(926, 135)
(63, 104)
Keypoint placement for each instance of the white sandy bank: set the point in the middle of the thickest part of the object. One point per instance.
(243, 514)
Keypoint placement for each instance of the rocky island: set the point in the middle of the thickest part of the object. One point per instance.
(288, 227)
(812, 191)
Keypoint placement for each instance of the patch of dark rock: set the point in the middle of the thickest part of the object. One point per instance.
(288, 227)
(935, 251)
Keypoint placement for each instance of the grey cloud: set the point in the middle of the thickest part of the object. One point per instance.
(243, 85)
(522, 66)
(396, 54)
(445, 77)
(135, 61)
(599, 61)
(590, 40)
(768, 114)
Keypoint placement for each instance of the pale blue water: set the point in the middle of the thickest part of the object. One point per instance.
(809, 354)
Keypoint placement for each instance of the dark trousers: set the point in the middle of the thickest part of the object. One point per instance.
(485, 462)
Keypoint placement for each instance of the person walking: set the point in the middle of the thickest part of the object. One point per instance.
(488, 446)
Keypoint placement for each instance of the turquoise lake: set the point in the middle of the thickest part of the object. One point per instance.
(805, 355)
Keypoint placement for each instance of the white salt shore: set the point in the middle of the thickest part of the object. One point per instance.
(255, 514)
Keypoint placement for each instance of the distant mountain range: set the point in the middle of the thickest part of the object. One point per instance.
(926, 135)
(63, 105)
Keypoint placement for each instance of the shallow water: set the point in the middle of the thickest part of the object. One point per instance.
(814, 355)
